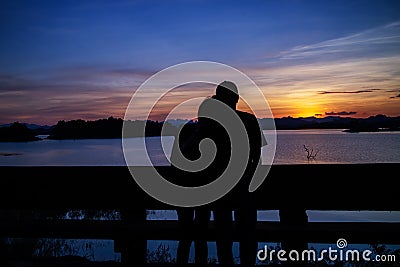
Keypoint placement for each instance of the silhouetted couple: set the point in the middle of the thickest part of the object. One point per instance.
(194, 221)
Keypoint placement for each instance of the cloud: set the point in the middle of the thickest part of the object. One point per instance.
(367, 61)
(347, 92)
(341, 113)
(395, 96)
(87, 92)
(68, 93)
(337, 75)
(382, 41)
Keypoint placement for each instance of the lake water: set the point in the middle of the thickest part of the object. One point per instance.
(333, 146)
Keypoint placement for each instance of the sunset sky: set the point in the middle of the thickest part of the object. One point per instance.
(63, 60)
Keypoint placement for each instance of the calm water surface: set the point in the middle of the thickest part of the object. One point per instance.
(332, 146)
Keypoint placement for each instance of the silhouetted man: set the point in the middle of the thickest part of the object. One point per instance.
(246, 213)
(208, 127)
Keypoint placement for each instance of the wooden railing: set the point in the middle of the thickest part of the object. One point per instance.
(350, 187)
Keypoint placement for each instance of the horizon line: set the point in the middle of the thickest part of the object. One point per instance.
(193, 119)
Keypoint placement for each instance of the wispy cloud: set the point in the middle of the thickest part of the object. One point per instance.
(398, 96)
(348, 92)
(87, 92)
(384, 40)
(360, 70)
(337, 74)
(341, 113)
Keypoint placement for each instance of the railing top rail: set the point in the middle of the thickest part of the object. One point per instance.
(307, 186)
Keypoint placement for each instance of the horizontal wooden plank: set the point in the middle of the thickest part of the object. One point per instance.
(313, 232)
(307, 186)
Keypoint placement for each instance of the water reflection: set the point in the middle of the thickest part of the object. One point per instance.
(333, 146)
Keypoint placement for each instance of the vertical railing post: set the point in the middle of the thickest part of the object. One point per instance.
(293, 218)
(132, 245)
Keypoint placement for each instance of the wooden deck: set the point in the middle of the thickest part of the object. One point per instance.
(350, 187)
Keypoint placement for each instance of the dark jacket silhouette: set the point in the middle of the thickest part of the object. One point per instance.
(245, 214)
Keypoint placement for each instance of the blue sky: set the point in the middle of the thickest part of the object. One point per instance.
(54, 54)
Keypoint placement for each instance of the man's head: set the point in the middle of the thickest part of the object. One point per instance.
(227, 92)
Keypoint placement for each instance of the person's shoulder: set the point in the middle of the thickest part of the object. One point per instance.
(245, 116)
(252, 126)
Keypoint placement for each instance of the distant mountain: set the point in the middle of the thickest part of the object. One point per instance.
(373, 123)
(17, 132)
(28, 125)
(36, 128)
(178, 122)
